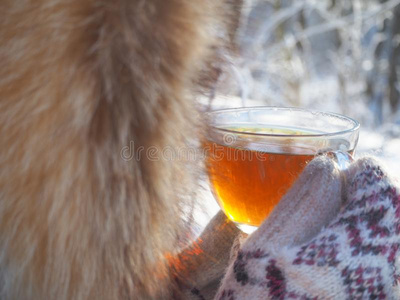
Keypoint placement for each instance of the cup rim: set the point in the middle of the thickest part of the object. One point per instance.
(356, 124)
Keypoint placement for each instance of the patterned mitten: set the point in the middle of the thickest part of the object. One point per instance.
(325, 239)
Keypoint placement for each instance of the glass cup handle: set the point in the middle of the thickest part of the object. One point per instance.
(342, 158)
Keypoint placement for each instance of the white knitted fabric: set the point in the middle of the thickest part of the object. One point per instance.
(324, 240)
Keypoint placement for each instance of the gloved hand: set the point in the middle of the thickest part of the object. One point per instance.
(334, 235)
(199, 268)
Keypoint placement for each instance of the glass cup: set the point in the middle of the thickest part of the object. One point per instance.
(255, 154)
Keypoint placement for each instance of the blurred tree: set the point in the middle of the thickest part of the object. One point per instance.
(340, 55)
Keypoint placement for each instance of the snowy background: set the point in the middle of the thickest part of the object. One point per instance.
(333, 55)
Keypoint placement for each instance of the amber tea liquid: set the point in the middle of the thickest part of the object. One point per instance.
(249, 183)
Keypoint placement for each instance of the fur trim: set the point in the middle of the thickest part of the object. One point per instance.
(80, 80)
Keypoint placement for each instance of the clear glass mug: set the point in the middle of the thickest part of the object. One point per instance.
(255, 154)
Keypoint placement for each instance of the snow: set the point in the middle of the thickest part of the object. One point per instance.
(383, 147)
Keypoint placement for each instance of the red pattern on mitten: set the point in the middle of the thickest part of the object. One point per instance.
(354, 256)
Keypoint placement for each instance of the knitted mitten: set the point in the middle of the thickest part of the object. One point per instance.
(324, 240)
(200, 267)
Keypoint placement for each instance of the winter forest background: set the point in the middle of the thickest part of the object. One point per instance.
(333, 55)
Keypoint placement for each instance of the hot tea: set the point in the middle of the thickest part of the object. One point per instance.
(254, 155)
(248, 183)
